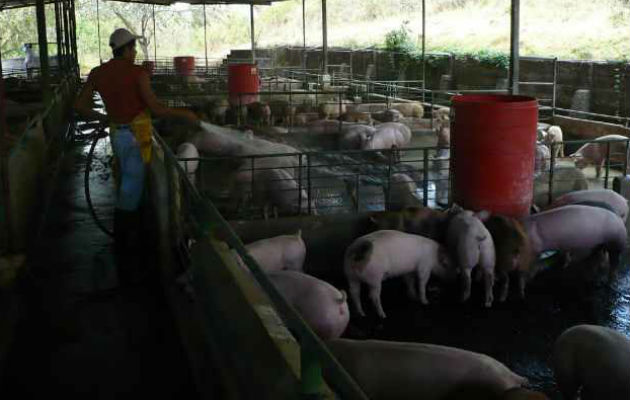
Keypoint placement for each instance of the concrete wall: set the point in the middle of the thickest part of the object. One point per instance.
(26, 162)
(606, 82)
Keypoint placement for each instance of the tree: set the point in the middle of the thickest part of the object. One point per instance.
(142, 14)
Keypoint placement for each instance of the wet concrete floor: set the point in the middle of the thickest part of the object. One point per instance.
(81, 334)
(518, 333)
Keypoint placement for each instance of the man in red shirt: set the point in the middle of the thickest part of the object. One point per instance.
(130, 103)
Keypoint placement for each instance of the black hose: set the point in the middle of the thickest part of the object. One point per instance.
(98, 135)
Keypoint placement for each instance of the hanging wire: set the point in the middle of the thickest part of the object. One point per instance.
(154, 38)
(98, 28)
(205, 36)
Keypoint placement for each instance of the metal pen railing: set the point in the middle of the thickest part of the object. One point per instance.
(347, 181)
(314, 354)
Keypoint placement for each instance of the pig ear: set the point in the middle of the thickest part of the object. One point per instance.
(455, 209)
(483, 215)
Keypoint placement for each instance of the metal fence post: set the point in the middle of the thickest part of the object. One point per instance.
(309, 182)
(357, 198)
(607, 173)
(552, 165)
(340, 122)
(425, 174)
(291, 119)
(300, 184)
(625, 158)
(252, 187)
(432, 101)
(389, 179)
(555, 84)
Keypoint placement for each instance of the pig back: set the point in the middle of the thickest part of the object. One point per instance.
(396, 370)
(575, 227)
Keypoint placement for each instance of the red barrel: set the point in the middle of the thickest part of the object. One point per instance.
(184, 65)
(243, 78)
(493, 145)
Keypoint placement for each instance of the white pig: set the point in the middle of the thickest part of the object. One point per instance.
(323, 307)
(388, 135)
(278, 190)
(397, 370)
(616, 201)
(472, 245)
(285, 252)
(403, 192)
(595, 359)
(385, 254)
(186, 151)
(577, 228)
(356, 137)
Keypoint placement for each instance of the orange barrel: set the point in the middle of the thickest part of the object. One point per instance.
(243, 78)
(184, 65)
(493, 145)
(149, 66)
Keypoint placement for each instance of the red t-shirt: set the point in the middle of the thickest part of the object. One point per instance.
(118, 82)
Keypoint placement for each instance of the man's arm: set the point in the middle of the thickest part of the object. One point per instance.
(157, 108)
(84, 106)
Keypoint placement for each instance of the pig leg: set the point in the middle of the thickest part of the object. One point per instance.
(505, 285)
(613, 262)
(375, 296)
(598, 169)
(521, 275)
(355, 294)
(466, 282)
(488, 280)
(423, 278)
(411, 288)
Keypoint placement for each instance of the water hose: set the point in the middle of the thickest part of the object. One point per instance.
(99, 134)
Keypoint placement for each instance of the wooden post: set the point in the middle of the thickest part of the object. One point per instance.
(40, 11)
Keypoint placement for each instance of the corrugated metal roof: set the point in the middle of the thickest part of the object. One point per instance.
(8, 4)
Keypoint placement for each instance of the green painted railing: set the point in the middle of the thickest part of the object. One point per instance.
(315, 357)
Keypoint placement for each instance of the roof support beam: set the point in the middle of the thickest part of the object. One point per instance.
(304, 34)
(514, 47)
(424, 53)
(252, 32)
(73, 38)
(205, 36)
(40, 11)
(325, 38)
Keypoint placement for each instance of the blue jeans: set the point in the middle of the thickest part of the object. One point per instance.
(131, 169)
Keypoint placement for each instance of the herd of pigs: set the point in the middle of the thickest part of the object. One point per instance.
(416, 243)
(274, 182)
(458, 245)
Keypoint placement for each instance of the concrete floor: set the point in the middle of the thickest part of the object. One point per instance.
(80, 335)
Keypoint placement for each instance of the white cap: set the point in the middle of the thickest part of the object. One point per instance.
(121, 37)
